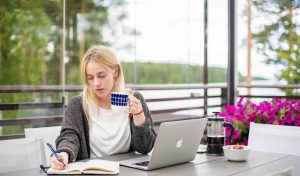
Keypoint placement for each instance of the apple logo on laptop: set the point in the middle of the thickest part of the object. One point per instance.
(179, 143)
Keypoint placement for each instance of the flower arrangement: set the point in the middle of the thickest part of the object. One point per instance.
(276, 112)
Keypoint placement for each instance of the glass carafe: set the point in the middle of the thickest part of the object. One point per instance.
(216, 135)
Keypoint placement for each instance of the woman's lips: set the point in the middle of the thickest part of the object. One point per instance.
(99, 90)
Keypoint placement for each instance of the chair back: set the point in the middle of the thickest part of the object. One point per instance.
(21, 154)
(274, 138)
(285, 172)
(49, 134)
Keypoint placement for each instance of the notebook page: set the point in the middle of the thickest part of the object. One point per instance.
(72, 168)
(102, 164)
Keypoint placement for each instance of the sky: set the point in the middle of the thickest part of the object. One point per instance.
(171, 31)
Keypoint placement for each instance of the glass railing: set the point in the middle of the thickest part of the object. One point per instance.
(166, 103)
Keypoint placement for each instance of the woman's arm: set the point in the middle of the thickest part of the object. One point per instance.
(143, 137)
(68, 140)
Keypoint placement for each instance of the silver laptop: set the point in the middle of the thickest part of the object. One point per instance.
(177, 142)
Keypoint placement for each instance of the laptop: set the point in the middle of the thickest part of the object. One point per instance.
(177, 142)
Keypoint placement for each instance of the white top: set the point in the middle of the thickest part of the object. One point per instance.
(109, 133)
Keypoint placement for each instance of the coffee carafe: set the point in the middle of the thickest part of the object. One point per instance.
(216, 134)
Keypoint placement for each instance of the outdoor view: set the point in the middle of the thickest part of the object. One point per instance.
(158, 42)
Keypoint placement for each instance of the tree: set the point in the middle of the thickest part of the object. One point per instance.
(22, 49)
(22, 44)
(28, 31)
(279, 38)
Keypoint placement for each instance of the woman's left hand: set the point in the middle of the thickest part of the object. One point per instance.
(136, 108)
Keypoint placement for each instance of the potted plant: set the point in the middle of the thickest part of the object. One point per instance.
(276, 112)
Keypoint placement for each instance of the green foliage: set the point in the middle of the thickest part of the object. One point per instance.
(27, 29)
(170, 73)
(279, 38)
(22, 48)
(22, 43)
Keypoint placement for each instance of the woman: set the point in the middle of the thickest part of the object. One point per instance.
(90, 127)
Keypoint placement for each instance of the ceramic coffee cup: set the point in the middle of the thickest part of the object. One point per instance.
(119, 102)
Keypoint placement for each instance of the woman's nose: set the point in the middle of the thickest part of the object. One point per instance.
(97, 82)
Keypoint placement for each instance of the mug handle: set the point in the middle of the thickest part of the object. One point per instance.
(226, 124)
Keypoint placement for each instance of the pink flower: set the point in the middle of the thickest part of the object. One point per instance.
(245, 142)
(280, 121)
(288, 119)
(227, 142)
(271, 121)
(239, 104)
(276, 111)
(235, 134)
(229, 109)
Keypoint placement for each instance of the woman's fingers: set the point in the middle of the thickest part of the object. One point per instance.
(133, 110)
(135, 105)
(131, 98)
(65, 157)
(57, 165)
(129, 91)
(132, 103)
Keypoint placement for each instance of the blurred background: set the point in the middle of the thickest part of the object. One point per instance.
(159, 42)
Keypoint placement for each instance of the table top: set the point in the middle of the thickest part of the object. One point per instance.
(258, 163)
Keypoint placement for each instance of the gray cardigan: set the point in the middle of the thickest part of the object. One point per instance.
(74, 135)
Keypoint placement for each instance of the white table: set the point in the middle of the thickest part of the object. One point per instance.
(259, 163)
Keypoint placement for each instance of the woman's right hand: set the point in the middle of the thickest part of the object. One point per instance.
(57, 165)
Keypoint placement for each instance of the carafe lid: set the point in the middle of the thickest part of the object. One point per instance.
(216, 118)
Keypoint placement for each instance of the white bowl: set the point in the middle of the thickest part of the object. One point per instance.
(236, 154)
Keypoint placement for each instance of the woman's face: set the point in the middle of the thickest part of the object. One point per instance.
(100, 79)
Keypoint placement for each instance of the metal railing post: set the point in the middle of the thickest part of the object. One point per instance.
(223, 96)
(231, 69)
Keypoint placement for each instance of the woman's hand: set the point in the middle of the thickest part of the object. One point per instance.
(57, 165)
(136, 108)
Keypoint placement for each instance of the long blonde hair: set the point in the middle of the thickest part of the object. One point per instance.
(100, 55)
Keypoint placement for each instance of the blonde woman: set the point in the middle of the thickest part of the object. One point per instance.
(90, 127)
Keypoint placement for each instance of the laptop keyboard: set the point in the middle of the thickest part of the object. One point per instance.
(144, 163)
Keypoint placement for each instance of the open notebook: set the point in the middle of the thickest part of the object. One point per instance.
(95, 166)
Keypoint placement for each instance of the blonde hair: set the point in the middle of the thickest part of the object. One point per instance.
(102, 56)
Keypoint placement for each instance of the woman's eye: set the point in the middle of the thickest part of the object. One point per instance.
(89, 78)
(101, 76)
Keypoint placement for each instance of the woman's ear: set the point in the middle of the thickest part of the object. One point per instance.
(116, 73)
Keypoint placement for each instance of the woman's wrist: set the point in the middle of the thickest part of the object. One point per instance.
(139, 118)
(138, 113)
(130, 115)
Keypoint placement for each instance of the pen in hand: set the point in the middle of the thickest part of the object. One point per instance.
(54, 153)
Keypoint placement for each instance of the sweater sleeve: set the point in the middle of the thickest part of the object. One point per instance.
(68, 140)
(143, 137)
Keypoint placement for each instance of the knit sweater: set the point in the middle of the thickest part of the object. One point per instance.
(74, 135)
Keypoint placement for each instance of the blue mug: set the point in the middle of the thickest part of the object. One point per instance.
(119, 101)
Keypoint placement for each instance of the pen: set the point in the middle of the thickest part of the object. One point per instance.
(54, 153)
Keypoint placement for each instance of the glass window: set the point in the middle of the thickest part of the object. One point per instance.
(30, 48)
(158, 42)
(274, 51)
